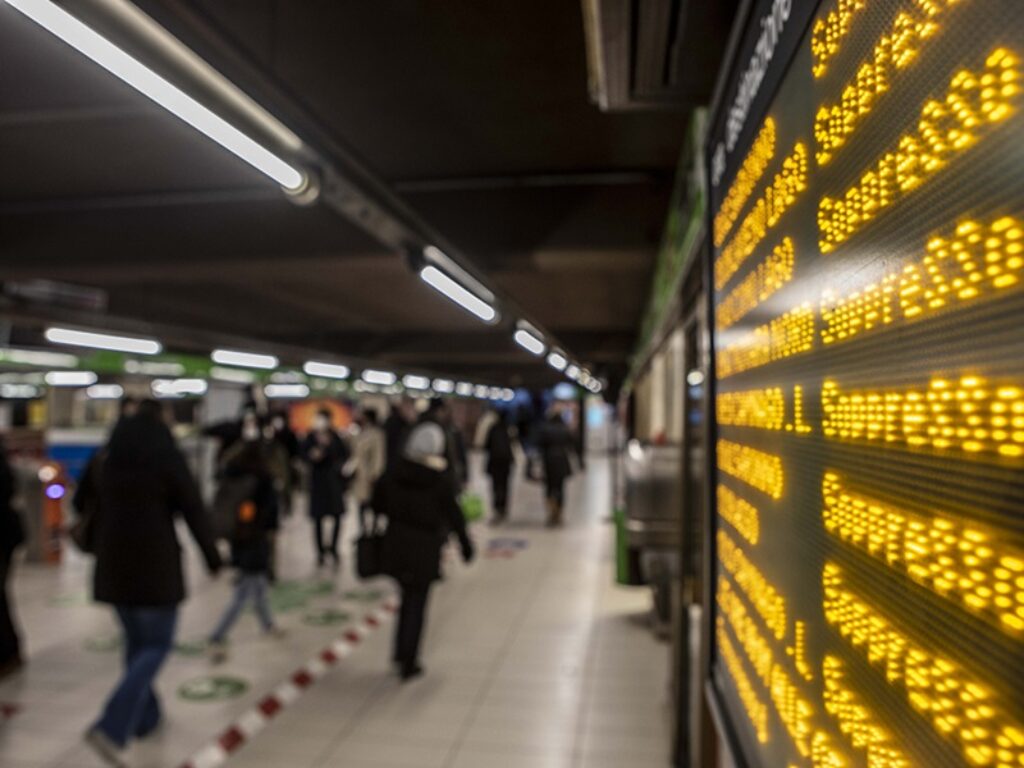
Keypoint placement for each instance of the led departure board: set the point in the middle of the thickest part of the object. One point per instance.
(867, 270)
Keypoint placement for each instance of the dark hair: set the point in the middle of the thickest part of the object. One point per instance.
(149, 408)
(325, 412)
(436, 404)
(371, 416)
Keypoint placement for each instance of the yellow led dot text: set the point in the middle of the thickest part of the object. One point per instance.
(827, 34)
(740, 514)
(968, 415)
(756, 709)
(787, 335)
(955, 559)
(755, 468)
(749, 174)
(771, 274)
(958, 707)
(766, 599)
(973, 104)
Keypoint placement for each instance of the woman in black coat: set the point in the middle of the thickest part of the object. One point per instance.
(500, 460)
(326, 454)
(555, 444)
(12, 536)
(419, 500)
(143, 484)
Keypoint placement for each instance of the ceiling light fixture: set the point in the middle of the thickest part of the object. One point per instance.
(327, 370)
(38, 357)
(140, 77)
(243, 359)
(381, 378)
(458, 293)
(105, 392)
(71, 378)
(532, 344)
(464, 388)
(171, 388)
(103, 341)
(416, 382)
(444, 386)
(286, 391)
(440, 259)
(231, 375)
(557, 360)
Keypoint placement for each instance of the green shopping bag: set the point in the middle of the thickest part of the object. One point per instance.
(472, 507)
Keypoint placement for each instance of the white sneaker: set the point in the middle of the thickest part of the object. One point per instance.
(105, 749)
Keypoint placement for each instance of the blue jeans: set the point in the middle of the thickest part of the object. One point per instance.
(250, 586)
(132, 709)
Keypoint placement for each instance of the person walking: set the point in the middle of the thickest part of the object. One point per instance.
(500, 460)
(144, 482)
(396, 429)
(326, 453)
(555, 444)
(284, 453)
(370, 451)
(419, 500)
(251, 541)
(12, 536)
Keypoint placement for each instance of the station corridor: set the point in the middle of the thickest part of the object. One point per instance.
(534, 658)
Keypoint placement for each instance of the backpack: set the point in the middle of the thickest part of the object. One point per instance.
(234, 506)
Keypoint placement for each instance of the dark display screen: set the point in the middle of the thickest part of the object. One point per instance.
(867, 225)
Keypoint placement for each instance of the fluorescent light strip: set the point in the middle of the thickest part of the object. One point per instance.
(416, 382)
(19, 391)
(71, 378)
(557, 361)
(508, 395)
(481, 391)
(442, 260)
(105, 392)
(40, 358)
(103, 341)
(327, 370)
(243, 359)
(573, 372)
(150, 84)
(154, 368)
(444, 386)
(382, 378)
(292, 391)
(469, 301)
(178, 387)
(529, 342)
(464, 388)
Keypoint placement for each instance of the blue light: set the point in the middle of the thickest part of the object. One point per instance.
(55, 491)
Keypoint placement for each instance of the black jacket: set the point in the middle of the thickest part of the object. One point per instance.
(143, 483)
(396, 429)
(421, 509)
(250, 543)
(499, 449)
(555, 444)
(11, 532)
(326, 485)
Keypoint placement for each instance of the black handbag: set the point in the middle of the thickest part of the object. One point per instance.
(370, 550)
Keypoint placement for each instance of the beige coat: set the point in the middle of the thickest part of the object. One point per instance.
(368, 454)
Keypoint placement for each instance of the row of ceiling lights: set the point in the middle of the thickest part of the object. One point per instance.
(437, 270)
(231, 366)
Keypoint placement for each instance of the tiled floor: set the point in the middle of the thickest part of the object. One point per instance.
(537, 660)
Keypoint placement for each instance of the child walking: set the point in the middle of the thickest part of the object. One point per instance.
(245, 467)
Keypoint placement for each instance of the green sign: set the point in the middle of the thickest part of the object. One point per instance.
(212, 688)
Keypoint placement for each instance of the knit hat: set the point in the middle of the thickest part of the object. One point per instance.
(426, 446)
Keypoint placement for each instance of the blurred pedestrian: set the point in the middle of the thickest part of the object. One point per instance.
(419, 501)
(12, 536)
(500, 460)
(326, 454)
(144, 482)
(555, 444)
(439, 412)
(251, 539)
(369, 448)
(396, 428)
(284, 455)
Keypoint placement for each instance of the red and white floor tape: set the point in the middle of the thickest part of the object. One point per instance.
(256, 719)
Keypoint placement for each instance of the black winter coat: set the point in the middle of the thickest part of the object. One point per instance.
(555, 444)
(250, 544)
(499, 449)
(422, 510)
(11, 532)
(143, 483)
(326, 485)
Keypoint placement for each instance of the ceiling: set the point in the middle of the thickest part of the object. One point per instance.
(475, 117)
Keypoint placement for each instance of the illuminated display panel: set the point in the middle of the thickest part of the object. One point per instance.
(867, 271)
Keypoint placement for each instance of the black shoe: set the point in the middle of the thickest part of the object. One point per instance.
(411, 672)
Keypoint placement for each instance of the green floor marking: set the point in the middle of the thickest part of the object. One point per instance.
(212, 688)
(103, 643)
(326, 618)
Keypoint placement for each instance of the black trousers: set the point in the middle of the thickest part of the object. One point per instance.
(411, 617)
(499, 492)
(10, 645)
(322, 548)
(554, 489)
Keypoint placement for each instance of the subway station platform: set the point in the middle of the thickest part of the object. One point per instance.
(534, 658)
